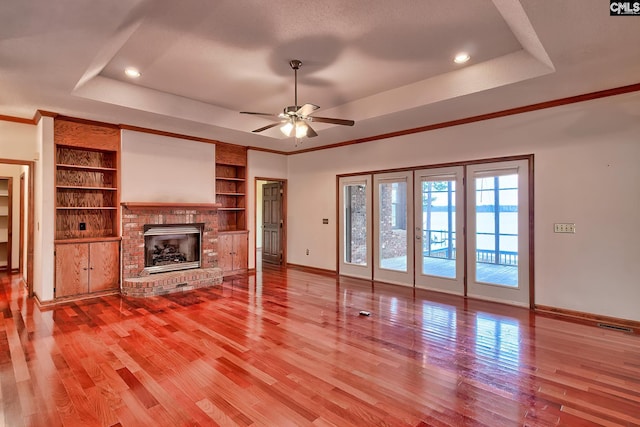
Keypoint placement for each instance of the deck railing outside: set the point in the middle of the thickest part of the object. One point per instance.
(441, 245)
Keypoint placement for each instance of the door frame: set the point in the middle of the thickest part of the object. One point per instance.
(21, 227)
(258, 206)
(30, 219)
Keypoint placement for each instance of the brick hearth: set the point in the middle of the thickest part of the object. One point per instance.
(135, 280)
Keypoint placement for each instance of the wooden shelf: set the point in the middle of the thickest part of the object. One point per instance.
(85, 168)
(230, 179)
(77, 187)
(230, 194)
(86, 208)
(231, 209)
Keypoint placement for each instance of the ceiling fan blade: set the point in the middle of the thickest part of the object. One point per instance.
(266, 127)
(306, 109)
(261, 114)
(310, 132)
(342, 122)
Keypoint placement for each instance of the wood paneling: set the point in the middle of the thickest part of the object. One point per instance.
(84, 134)
(104, 269)
(288, 347)
(231, 154)
(72, 266)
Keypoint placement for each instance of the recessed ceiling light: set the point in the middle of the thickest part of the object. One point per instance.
(132, 72)
(461, 58)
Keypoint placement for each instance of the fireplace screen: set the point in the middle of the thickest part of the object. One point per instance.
(171, 247)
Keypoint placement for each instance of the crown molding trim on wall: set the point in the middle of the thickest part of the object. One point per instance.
(466, 120)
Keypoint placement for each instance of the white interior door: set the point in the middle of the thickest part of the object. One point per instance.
(355, 227)
(393, 228)
(498, 231)
(439, 236)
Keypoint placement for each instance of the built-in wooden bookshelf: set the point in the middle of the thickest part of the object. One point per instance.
(231, 186)
(87, 202)
(231, 168)
(87, 159)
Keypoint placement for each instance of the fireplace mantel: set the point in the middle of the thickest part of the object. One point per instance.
(161, 205)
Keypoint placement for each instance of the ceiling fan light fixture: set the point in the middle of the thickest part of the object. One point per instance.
(301, 129)
(287, 128)
(293, 120)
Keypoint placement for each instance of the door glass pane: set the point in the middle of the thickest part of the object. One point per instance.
(355, 220)
(393, 225)
(497, 230)
(439, 228)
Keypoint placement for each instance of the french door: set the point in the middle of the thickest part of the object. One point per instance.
(355, 252)
(393, 227)
(498, 231)
(439, 225)
(462, 229)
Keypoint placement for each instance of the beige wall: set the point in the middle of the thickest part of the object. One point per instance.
(163, 169)
(18, 141)
(586, 171)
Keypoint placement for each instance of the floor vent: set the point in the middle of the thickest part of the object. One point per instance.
(615, 327)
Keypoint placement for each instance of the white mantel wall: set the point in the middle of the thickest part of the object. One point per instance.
(587, 171)
(164, 169)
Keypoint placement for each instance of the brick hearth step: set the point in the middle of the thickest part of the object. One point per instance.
(170, 282)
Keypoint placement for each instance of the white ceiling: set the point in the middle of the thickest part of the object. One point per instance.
(386, 65)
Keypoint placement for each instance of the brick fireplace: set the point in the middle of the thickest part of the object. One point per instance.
(136, 280)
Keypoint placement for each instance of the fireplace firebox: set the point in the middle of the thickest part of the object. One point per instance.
(171, 247)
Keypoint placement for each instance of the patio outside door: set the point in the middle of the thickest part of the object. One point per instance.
(439, 237)
(355, 226)
(393, 228)
(498, 231)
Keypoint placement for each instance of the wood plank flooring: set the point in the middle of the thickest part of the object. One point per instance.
(289, 348)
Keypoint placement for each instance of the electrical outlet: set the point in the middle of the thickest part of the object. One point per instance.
(307, 251)
(564, 228)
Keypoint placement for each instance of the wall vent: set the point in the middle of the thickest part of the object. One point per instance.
(615, 327)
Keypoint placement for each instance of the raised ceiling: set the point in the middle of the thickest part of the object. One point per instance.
(387, 65)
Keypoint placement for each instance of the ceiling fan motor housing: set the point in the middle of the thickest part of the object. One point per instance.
(291, 110)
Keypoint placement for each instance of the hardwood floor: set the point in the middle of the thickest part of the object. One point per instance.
(289, 348)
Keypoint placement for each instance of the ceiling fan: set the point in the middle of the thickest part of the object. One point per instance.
(295, 119)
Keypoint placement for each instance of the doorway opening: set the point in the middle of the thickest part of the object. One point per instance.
(16, 219)
(271, 227)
